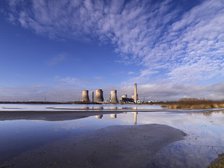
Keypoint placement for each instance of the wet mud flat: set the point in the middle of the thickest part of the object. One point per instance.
(113, 146)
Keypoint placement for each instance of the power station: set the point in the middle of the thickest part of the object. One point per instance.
(97, 97)
(135, 97)
(92, 96)
(85, 96)
(113, 97)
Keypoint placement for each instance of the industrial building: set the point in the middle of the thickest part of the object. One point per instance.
(92, 96)
(135, 97)
(113, 97)
(85, 96)
(99, 96)
(127, 100)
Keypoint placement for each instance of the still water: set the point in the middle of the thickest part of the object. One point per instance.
(23, 131)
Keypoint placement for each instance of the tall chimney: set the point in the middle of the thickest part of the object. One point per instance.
(85, 96)
(135, 93)
(113, 96)
(99, 96)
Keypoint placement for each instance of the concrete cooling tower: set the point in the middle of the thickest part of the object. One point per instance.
(85, 96)
(113, 96)
(92, 96)
(99, 96)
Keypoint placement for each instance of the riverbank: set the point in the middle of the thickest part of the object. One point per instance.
(191, 104)
(186, 105)
(218, 163)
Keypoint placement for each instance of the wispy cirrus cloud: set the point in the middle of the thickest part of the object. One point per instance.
(161, 36)
(177, 43)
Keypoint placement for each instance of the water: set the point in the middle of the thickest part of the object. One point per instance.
(67, 107)
(24, 131)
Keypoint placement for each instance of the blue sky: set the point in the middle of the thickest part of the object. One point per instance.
(54, 49)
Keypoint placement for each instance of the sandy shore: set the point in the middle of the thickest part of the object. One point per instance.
(115, 146)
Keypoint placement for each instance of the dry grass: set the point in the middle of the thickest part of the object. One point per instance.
(218, 163)
(193, 104)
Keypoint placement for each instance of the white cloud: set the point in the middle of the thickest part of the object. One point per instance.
(69, 89)
(152, 34)
(170, 91)
(183, 46)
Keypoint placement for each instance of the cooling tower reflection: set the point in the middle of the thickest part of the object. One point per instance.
(100, 116)
(135, 117)
(115, 116)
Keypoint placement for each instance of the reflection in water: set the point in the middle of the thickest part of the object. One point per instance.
(203, 143)
(98, 108)
(100, 116)
(85, 108)
(135, 117)
(209, 113)
(113, 116)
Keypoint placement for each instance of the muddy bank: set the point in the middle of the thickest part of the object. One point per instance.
(193, 106)
(199, 104)
(218, 163)
(115, 146)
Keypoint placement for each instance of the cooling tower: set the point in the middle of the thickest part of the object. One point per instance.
(92, 96)
(99, 96)
(113, 96)
(135, 97)
(85, 96)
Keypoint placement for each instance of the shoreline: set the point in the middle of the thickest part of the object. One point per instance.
(173, 105)
(61, 115)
